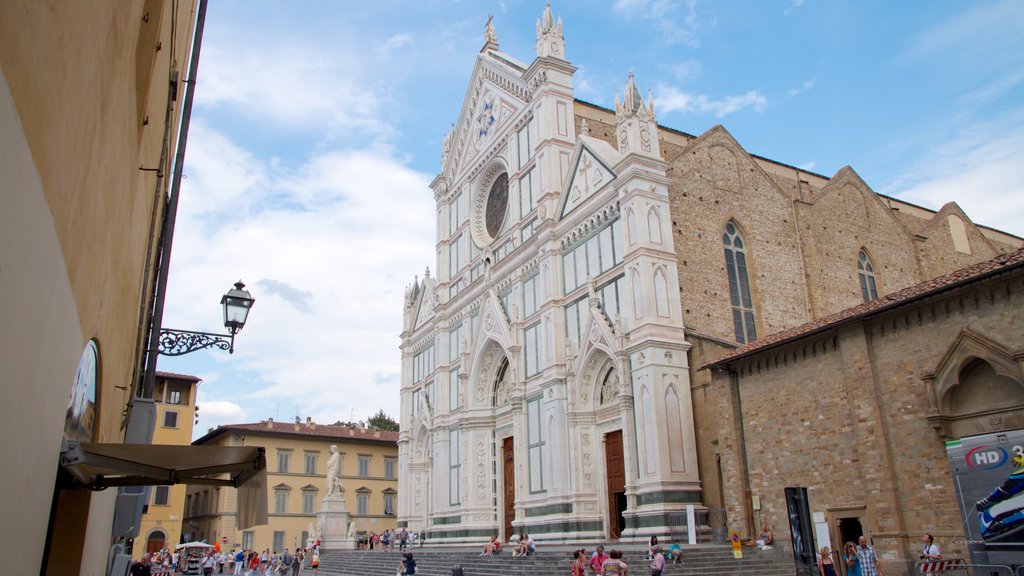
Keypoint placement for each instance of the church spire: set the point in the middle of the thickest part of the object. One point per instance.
(635, 122)
(550, 41)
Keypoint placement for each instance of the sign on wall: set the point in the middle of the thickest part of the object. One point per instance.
(988, 473)
(80, 421)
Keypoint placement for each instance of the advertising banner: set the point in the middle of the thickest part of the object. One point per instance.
(988, 473)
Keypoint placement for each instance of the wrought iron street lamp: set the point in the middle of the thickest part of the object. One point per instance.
(236, 303)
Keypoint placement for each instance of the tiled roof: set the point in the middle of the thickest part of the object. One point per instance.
(174, 376)
(305, 429)
(999, 264)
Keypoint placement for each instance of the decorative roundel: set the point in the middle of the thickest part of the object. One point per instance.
(497, 205)
(489, 205)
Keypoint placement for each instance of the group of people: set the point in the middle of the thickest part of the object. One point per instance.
(388, 539)
(524, 546)
(861, 559)
(239, 562)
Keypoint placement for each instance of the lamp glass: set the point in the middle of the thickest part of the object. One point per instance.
(237, 303)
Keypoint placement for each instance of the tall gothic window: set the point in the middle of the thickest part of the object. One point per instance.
(866, 272)
(739, 285)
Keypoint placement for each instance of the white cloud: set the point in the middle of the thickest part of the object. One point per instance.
(976, 165)
(213, 412)
(793, 5)
(325, 248)
(397, 41)
(688, 70)
(807, 85)
(670, 99)
(293, 86)
(677, 22)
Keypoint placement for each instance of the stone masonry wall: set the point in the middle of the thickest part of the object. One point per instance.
(844, 414)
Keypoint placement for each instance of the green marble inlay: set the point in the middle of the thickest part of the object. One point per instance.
(674, 497)
(565, 508)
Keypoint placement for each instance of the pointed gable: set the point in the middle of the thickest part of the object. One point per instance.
(590, 172)
(425, 305)
(496, 95)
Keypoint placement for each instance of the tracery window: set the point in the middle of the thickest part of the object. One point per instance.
(739, 285)
(866, 273)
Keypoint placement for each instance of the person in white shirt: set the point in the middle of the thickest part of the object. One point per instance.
(931, 550)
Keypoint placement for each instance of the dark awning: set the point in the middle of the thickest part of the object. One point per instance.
(99, 466)
(104, 465)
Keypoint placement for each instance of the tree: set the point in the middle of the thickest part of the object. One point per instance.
(381, 421)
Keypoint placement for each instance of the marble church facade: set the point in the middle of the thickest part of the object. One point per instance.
(589, 262)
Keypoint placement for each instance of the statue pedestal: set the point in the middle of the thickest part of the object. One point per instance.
(333, 519)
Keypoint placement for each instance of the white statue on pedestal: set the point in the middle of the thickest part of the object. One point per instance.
(351, 530)
(334, 487)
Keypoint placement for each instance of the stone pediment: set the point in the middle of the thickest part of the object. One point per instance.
(590, 173)
(496, 96)
(425, 306)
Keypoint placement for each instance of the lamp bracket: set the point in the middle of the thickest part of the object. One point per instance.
(180, 342)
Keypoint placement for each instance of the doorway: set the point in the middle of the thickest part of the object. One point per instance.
(616, 482)
(509, 484)
(155, 542)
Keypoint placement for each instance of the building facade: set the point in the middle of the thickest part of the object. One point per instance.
(175, 399)
(893, 380)
(589, 261)
(89, 93)
(297, 455)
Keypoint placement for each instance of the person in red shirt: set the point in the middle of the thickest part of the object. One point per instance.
(597, 560)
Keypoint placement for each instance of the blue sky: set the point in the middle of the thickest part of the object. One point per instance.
(318, 127)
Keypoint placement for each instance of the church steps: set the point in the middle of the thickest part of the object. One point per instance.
(702, 561)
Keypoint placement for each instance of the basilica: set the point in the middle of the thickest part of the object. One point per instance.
(558, 372)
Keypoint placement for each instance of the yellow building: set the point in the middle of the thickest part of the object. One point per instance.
(297, 454)
(175, 399)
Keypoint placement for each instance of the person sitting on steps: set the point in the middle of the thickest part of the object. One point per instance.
(765, 538)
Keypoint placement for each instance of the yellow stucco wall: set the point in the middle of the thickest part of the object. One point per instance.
(83, 94)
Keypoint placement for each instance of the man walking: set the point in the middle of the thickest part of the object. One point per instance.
(869, 565)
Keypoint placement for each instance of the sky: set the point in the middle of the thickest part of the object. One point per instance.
(318, 126)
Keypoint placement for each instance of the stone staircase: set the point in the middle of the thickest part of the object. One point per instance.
(704, 560)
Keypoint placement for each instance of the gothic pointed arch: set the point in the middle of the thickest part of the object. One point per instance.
(977, 387)
(736, 267)
(490, 367)
(866, 277)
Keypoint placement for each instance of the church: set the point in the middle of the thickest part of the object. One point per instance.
(591, 265)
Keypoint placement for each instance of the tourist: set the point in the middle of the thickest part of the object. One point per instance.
(315, 564)
(675, 552)
(520, 548)
(578, 563)
(208, 563)
(254, 563)
(614, 566)
(531, 546)
(869, 565)
(651, 546)
(598, 559)
(239, 562)
(492, 547)
(657, 561)
(931, 551)
(408, 565)
(402, 539)
(825, 565)
(141, 568)
(852, 561)
(765, 538)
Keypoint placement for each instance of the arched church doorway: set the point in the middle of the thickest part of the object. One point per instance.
(156, 541)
